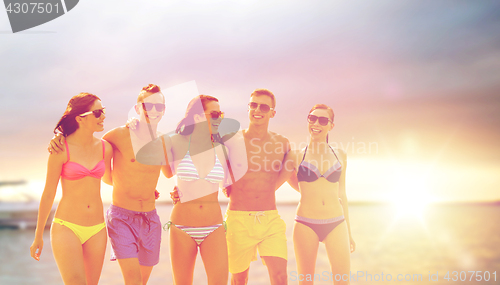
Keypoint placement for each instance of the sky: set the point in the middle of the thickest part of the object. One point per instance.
(414, 84)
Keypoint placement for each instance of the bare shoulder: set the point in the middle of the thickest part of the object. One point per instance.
(340, 151)
(232, 136)
(223, 146)
(59, 157)
(173, 141)
(280, 141)
(108, 147)
(166, 138)
(297, 152)
(278, 137)
(176, 139)
(294, 154)
(342, 154)
(116, 133)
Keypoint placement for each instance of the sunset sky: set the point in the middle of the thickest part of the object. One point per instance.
(415, 85)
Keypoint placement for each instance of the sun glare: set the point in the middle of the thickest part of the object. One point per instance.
(410, 195)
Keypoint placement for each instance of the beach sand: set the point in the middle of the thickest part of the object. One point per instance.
(458, 238)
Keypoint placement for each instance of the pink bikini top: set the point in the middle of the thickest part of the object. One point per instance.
(74, 171)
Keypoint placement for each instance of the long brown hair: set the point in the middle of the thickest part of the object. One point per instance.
(78, 105)
(196, 106)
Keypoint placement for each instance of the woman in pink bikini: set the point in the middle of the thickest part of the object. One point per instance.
(320, 174)
(78, 232)
(196, 222)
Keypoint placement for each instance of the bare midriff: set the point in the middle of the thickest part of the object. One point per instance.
(134, 184)
(81, 201)
(204, 211)
(319, 199)
(255, 191)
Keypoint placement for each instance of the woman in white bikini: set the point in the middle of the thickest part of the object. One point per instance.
(78, 232)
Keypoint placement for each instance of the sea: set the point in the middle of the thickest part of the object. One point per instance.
(442, 244)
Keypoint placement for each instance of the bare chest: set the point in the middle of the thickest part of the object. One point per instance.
(266, 156)
(147, 159)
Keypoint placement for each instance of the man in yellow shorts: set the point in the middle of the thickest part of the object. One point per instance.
(256, 156)
(253, 223)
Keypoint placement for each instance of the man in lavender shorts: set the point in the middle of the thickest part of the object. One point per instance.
(134, 235)
(134, 227)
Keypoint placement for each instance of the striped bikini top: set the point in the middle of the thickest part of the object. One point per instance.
(186, 170)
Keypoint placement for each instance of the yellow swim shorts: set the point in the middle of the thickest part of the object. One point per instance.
(248, 231)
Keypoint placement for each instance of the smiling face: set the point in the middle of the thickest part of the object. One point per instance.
(148, 111)
(258, 117)
(90, 121)
(213, 124)
(316, 130)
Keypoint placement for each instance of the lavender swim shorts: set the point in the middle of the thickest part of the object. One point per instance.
(134, 235)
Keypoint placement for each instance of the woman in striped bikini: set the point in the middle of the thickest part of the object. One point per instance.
(196, 222)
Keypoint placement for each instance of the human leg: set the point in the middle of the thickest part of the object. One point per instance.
(131, 271)
(240, 278)
(339, 255)
(94, 250)
(213, 252)
(146, 273)
(68, 253)
(273, 247)
(305, 244)
(135, 239)
(276, 266)
(149, 243)
(241, 244)
(183, 251)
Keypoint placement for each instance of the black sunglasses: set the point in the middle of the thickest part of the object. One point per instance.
(149, 106)
(97, 113)
(264, 108)
(322, 120)
(216, 114)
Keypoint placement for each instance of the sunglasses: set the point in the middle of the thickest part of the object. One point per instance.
(216, 114)
(97, 113)
(322, 120)
(264, 108)
(160, 107)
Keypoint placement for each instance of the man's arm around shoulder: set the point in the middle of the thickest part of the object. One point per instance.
(114, 135)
